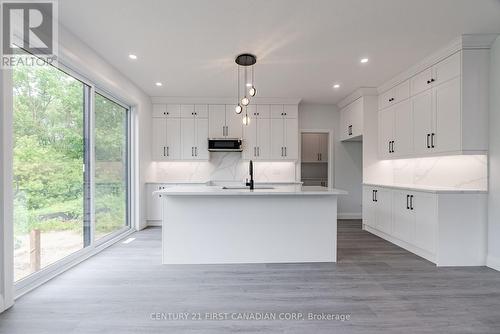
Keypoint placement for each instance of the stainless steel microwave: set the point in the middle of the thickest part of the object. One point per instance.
(224, 145)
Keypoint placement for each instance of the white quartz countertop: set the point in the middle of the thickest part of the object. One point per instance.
(430, 189)
(297, 190)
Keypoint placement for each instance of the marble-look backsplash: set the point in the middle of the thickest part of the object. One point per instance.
(461, 171)
(222, 166)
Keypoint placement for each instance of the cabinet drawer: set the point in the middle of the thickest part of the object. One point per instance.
(421, 81)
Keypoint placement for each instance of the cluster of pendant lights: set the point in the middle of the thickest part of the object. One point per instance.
(245, 62)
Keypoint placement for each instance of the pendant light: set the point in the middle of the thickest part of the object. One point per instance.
(244, 62)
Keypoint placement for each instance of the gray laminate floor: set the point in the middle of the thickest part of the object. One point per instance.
(378, 286)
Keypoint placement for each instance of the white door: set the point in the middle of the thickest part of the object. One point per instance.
(386, 131)
(158, 145)
(250, 140)
(263, 138)
(291, 138)
(422, 112)
(234, 123)
(188, 138)
(368, 207)
(357, 118)
(173, 141)
(448, 121)
(201, 145)
(403, 129)
(425, 207)
(277, 138)
(217, 120)
(403, 217)
(384, 210)
(310, 147)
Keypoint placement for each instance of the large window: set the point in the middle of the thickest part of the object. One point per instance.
(111, 166)
(57, 182)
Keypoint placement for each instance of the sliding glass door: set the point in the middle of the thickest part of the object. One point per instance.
(49, 154)
(111, 166)
(71, 167)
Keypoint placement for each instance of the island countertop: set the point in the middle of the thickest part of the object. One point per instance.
(260, 190)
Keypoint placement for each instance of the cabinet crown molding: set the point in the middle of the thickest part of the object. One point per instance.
(463, 42)
(360, 92)
(220, 100)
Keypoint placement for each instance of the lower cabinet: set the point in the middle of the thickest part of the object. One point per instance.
(446, 228)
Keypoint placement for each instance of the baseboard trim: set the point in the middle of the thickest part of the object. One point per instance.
(153, 223)
(348, 215)
(493, 262)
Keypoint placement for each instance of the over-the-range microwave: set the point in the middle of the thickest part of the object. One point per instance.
(224, 145)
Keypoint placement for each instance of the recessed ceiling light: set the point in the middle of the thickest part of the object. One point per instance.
(364, 60)
(132, 56)
(336, 86)
(159, 84)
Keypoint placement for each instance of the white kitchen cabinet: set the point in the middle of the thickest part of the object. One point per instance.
(194, 131)
(284, 137)
(217, 121)
(257, 134)
(284, 111)
(449, 113)
(351, 120)
(445, 227)
(166, 111)
(166, 139)
(154, 203)
(234, 123)
(385, 132)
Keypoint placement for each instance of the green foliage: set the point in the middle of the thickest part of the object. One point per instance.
(49, 153)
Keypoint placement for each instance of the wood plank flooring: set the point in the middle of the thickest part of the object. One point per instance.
(381, 287)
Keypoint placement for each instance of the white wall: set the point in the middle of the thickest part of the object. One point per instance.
(493, 259)
(348, 156)
(79, 57)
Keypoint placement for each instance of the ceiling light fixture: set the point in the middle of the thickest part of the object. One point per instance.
(132, 56)
(336, 86)
(246, 63)
(363, 60)
(159, 84)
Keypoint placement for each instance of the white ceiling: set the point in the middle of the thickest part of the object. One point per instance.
(303, 46)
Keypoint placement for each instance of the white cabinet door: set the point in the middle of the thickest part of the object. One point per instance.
(234, 123)
(187, 110)
(447, 117)
(263, 138)
(276, 110)
(291, 138)
(401, 92)
(291, 111)
(201, 110)
(250, 140)
(384, 210)
(447, 69)
(345, 123)
(159, 139)
(310, 147)
(173, 110)
(421, 82)
(357, 118)
(201, 144)
(262, 111)
(425, 207)
(422, 112)
(173, 139)
(403, 217)
(159, 110)
(369, 216)
(403, 129)
(188, 138)
(386, 131)
(217, 120)
(277, 138)
(154, 202)
(385, 99)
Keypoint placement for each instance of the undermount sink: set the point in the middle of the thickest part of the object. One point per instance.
(243, 187)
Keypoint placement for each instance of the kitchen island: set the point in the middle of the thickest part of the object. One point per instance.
(217, 224)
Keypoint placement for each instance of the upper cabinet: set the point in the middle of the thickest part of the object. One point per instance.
(351, 121)
(181, 131)
(441, 110)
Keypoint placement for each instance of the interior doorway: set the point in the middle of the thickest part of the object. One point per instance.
(314, 166)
